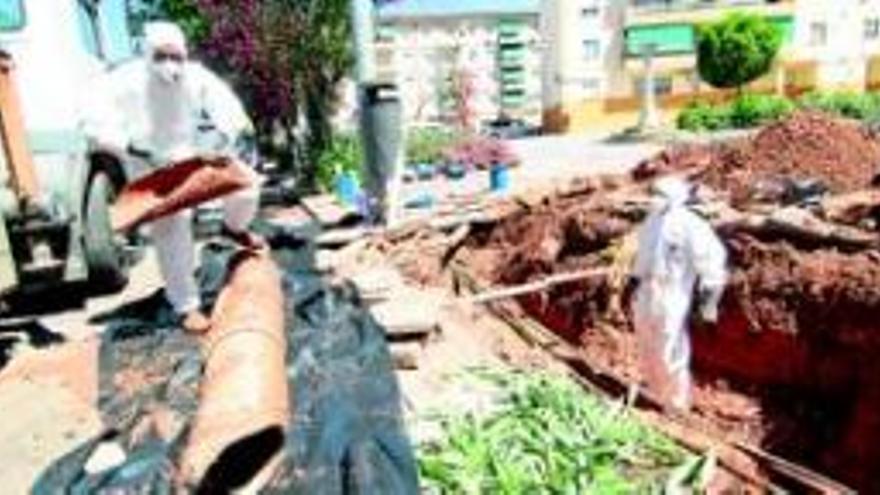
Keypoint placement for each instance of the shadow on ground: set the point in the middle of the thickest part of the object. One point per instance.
(30, 333)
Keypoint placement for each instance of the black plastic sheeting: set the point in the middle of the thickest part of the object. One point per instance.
(346, 433)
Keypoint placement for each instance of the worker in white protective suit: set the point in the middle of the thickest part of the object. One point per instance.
(678, 252)
(155, 111)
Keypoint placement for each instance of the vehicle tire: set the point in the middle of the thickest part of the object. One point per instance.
(104, 252)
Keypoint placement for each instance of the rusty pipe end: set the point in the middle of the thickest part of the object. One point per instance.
(243, 397)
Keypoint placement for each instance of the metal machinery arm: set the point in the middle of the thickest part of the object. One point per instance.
(18, 157)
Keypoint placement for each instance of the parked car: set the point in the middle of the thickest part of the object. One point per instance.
(510, 128)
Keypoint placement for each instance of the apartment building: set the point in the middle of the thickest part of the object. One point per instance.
(595, 66)
(439, 50)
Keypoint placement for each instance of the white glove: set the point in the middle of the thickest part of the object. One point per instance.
(709, 300)
(179, 154)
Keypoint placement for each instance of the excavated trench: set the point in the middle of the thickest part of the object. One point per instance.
(791, 366)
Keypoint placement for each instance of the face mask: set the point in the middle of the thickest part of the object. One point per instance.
(168, 71)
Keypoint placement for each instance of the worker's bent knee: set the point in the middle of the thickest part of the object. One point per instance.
(240, 209)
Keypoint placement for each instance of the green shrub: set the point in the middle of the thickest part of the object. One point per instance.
(853, 105)
(344, 154)
(426, 145)
(752, 110)
(699, 116)
(549, 437)
(736, 49)
(749, 110)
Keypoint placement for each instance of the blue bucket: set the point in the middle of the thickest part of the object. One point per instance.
(499, 178)
(456, 171)
(347, 188)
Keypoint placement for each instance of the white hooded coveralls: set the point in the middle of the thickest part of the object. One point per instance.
(676, 249)
(159, 106)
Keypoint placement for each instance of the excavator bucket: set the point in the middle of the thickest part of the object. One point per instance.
(177, 187)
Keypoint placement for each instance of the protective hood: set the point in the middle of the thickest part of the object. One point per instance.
(672, 192)
(164, 38)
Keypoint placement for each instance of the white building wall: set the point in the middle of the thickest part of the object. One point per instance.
(831, 32)
(585, 49)
(423, 54)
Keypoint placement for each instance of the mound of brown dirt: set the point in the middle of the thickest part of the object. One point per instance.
(809, 293)
(676, 158)
(839, 153)
(794, 350)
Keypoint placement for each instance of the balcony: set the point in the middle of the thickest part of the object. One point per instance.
(692, 11)
(676, 37)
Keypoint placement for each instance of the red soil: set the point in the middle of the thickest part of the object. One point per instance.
(837, 152)
(791, 366)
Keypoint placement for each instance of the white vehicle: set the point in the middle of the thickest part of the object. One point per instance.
(55, 227)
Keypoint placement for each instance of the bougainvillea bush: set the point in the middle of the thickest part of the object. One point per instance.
(481, 152)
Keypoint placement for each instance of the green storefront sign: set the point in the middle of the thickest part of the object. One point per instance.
(679, 39)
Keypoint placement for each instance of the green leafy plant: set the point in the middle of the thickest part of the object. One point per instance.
(737, 49)
(426, 145)
(751, 110)
(699, 116)
(550, 437)
(343, 155)
(860, 106)
(745, 111)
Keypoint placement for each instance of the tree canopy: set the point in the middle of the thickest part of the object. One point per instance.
(737, 49)
(284, 57)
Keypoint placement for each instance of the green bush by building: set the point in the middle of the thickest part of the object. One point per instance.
(752, 110)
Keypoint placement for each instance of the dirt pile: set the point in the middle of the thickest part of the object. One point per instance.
(839, 153)
(793, 353)
(802, 326)
(790, 366)
(808, 293)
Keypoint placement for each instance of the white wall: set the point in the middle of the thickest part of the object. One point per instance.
(841, 55)
(427, 51)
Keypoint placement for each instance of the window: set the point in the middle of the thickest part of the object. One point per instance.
(818, 34)
(114, 14)
(11, 15)
(872, 28)
(591, 11)
(385, 33)
(591, 86)
(662, 85)
(592, 50)
(87, 18)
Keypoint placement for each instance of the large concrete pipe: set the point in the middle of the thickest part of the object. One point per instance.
(177, 187)
(243, 409)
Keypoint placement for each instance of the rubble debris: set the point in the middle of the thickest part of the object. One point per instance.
(409, 313)
(839, 153)
(860, 208)
(787, 368)
(407, 355)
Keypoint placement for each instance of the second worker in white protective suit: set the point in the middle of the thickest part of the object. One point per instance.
(678, 252)
(157, 108)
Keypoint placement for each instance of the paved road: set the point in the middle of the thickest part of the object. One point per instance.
(559, 157)
(546, 161)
